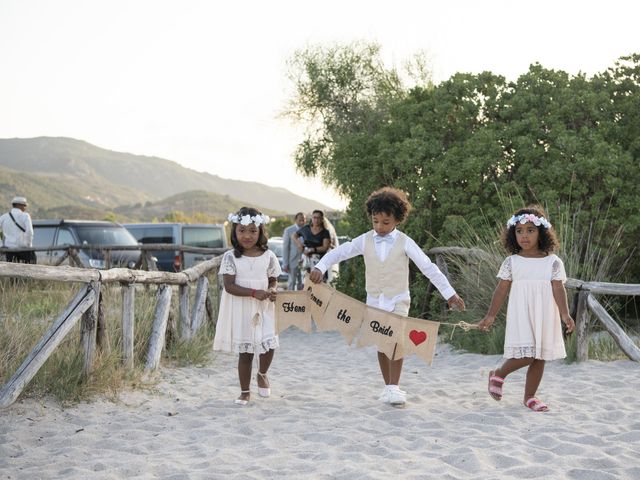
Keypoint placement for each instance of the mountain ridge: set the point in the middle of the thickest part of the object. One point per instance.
(64, 171)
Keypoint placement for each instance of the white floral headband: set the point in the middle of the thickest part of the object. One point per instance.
(528, 217)
(245, 220)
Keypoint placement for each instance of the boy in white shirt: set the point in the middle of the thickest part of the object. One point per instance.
(386, 253)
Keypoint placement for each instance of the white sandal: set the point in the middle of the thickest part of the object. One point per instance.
(241, 401)
(262, 391)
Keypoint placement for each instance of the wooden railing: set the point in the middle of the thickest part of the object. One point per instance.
(146, 261)
(587, 303)
(87, 306)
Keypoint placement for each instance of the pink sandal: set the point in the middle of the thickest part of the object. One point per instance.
(536, 405)
(495, 390)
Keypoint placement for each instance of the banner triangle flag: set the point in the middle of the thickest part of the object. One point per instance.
(420, 337)
(383, 329)
(319, 296)
(292, 308)
(343, 314)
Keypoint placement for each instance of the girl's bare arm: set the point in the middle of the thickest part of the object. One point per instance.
(499, 296)
(560, 296)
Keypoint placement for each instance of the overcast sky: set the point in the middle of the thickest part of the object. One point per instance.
(201, 82)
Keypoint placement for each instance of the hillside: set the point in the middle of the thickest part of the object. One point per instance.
(64, 172)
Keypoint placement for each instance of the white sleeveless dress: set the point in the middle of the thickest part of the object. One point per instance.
(534, 327)
(246, 324)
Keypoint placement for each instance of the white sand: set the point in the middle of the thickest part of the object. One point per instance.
(324, 421)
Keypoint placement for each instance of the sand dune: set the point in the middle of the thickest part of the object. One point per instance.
(324, 421)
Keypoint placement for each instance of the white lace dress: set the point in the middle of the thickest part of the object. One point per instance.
(533, 321)
(246, 324)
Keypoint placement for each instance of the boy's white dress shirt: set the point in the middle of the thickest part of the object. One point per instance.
(356, 247)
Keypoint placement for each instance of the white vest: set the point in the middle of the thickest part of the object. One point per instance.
(388, 278)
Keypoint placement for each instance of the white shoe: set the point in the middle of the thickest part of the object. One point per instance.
(263, 391)
(396, 397)
(384, 396)
(386, 393)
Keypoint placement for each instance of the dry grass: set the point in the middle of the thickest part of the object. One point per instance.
(28, 308)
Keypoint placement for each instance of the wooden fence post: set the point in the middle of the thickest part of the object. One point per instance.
(47, 344)
(442, 265)
(158, 331)
(185, 324)
(102, 336)
(128, 322)
(88, 331)
(582, 327)
(199, 307)
(619, 336)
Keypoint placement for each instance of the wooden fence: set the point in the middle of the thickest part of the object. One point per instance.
(146, 261)
(86, 307)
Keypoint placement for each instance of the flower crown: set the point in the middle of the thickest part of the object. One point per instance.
(528, 217)
(245, 220)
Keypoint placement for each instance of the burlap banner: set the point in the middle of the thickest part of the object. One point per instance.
(394, 335)
(420, 337)
(343, 314)
(292, 308)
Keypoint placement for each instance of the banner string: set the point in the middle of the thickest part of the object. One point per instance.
(461, 324)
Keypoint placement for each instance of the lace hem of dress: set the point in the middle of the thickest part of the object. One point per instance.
(262, 347)
(520, 352)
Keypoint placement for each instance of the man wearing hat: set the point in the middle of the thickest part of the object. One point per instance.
(17, 231)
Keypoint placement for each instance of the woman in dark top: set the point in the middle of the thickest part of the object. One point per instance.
(313, 240)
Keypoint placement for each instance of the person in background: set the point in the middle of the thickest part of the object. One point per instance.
(291, 254)
(17, 231)
(313, 240)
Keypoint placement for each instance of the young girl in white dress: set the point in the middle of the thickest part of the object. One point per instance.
(533, 277)
(246, 321)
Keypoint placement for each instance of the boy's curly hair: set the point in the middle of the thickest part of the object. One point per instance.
(391, 201)
(262, 239)
(547, 238)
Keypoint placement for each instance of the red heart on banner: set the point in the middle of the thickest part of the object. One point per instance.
(417, 337)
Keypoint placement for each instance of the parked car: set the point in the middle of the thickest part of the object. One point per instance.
(205, 235)
(48, 233)
(275, 244)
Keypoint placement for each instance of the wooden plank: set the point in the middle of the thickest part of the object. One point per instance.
(102, 335)
(185, 323)
(62, 258)
(49, 273)
(47, 344)
(612, 288)
(582, 327)
(73, 254)
(630, 349)
(199, 304)
(128, 322)
(158, 331)
(88, 331)
(86, 275)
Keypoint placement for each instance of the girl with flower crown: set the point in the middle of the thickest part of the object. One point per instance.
(246, 320)
(533, 277)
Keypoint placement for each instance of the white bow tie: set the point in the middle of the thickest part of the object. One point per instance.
(388, 239)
